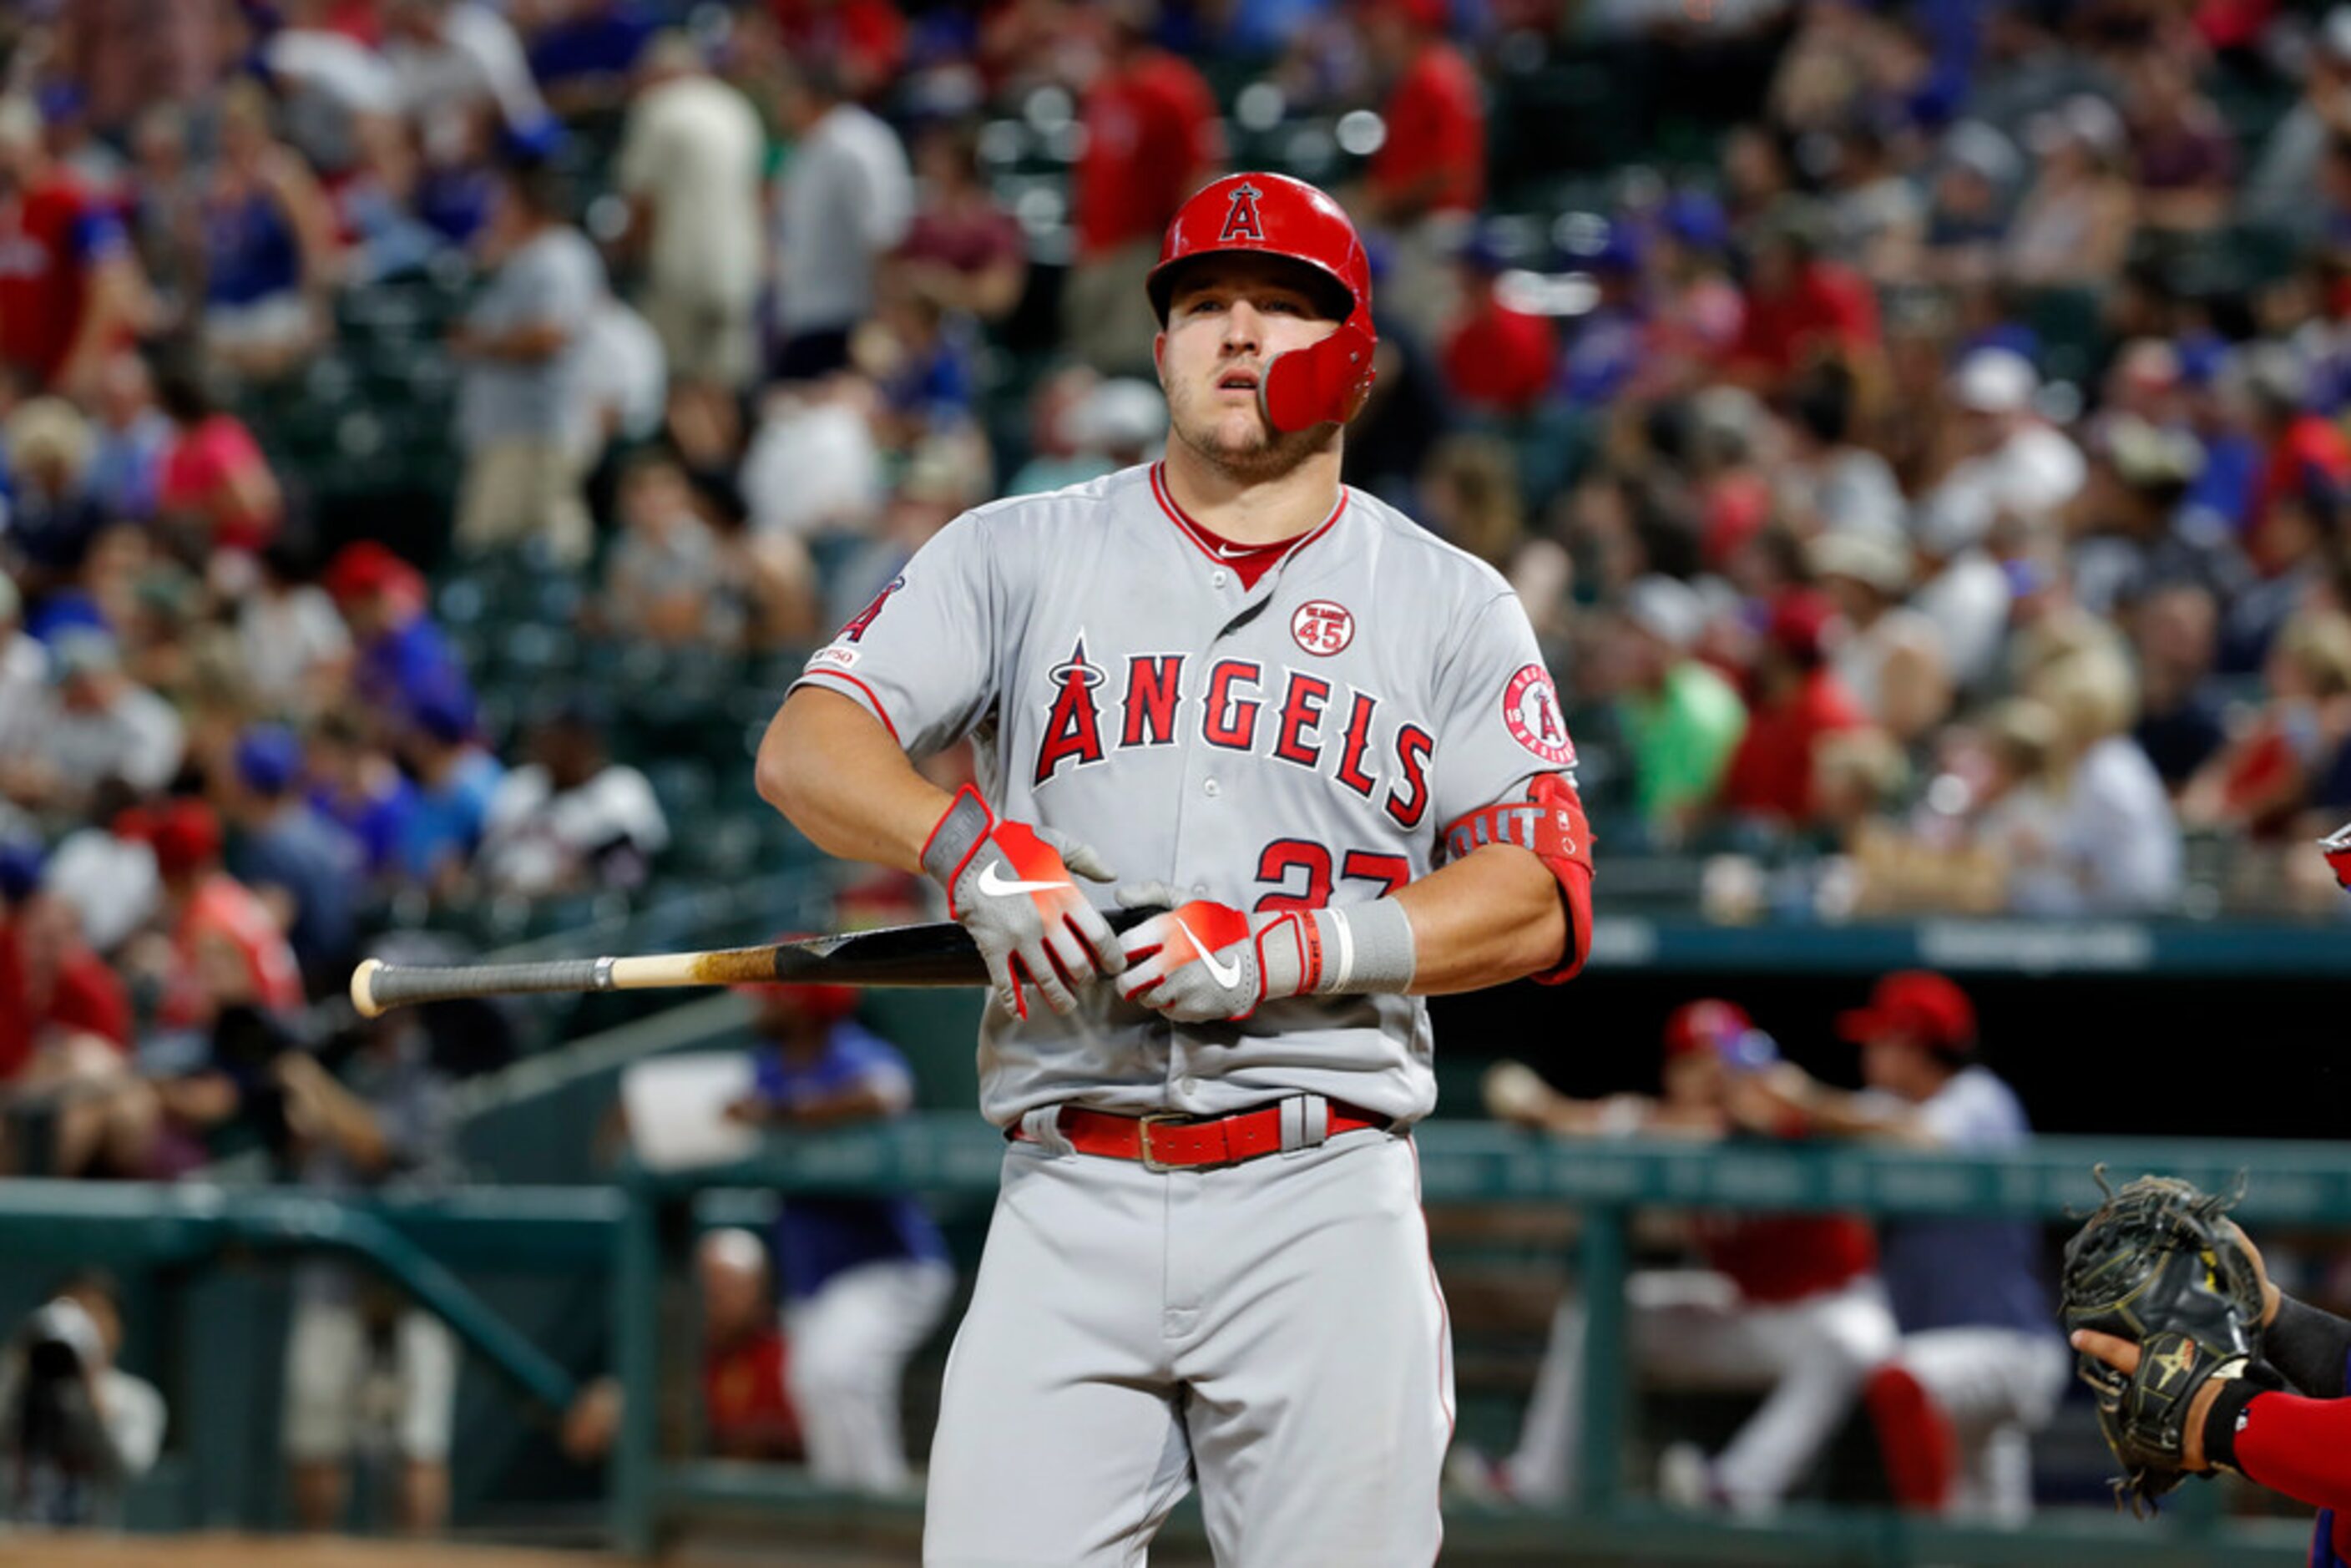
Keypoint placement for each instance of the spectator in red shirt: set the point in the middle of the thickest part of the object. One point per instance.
(1428, 179)
(213, 485)
(2305, 458)
(1497, 360)
(225, 947)
(1801, 308)
(68, 289)
(1798, 699)
(65, 1035)
(1150, 140)
(865, 40)
(962, 251)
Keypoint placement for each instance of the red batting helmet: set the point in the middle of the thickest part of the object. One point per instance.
(1273, 214)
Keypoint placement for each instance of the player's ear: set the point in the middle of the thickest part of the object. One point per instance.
(1159, 354)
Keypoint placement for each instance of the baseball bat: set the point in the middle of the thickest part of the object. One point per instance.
(938, 953)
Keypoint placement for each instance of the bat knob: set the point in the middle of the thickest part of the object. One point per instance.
(364, 989)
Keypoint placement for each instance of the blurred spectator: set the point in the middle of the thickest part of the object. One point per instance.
(1425, 184)
(691, 161)
(2184, 158)
(1682, 721)
(2075, 226)
(2115, 848)
(663, 578)
(132, 436)
(865, 40)
(814, 467)
(1497, 360)
(355, 784)
(745, 1364)
(924, 363)
(522, 408)
(1981, 1365)
(583, 52)
(1083, 427)
(1976, 175)
(293, 648)
(962, 251)
(1802, 307)
(24, 676)
(99, 724)
(1789, 1306)
(572, 820)
(402, 659)
(2278, 189)
(383, 1121)
(1695, 309)
(945, 476)
(75, 1428)
(226, 948)
(1889, 656)
(52, 985)
(2263, 776)
(865, 1279)
(1875, 216)
(214, 488)
(462, 71)
(1469, 497)
(1152, 138)
(69, 293)
(340, 97)
(1829, 481)
(2174, 632)
(303, 868)
(1605, 349)
(455, 776)
(127, 54)
(624, 383)
(269, 245)
(846, 198)
(52, 514)
(165, 214)
(106, 869)
(1798, 699)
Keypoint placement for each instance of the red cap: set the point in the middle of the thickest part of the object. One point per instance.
(183, 832)
(1707, 1024)
(1799, 623)
(368, 566)
(1918, 1003)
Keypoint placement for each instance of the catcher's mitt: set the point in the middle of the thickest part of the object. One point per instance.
(2158, 1264)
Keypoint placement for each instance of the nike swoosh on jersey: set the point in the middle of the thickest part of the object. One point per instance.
(1225, 974)
(997, 887)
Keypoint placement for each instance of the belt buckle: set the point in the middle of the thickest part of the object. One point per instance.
(1152, 1162)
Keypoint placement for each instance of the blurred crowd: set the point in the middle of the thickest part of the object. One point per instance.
(1915, 430)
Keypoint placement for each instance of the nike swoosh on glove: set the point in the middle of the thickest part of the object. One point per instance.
(1008, 884)
(1202, 961)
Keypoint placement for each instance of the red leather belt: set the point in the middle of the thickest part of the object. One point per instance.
(1163, 1141)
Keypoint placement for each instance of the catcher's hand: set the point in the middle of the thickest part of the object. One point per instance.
(1008, 884)
(2160, 1266)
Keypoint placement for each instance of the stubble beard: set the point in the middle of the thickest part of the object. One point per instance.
(1264, 454)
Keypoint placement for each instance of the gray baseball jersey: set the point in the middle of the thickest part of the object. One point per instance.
(1301, 742)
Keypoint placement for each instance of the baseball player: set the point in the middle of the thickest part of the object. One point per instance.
(2295, 1440)
(1790, 1304)
(1979, 1369)
(1325, 739)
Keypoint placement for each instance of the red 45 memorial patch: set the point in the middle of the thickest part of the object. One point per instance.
(1531, 707)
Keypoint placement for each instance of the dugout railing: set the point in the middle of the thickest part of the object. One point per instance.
(2291, 1184)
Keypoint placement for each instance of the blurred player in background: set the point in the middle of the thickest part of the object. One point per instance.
(866, 1279)
(1789, 1305)
(1981, 1365)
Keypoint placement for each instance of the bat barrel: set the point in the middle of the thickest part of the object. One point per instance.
(377, 986)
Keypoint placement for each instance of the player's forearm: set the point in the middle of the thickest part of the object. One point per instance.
(1484, 919)
(835, 773)
(2311, 1348)
(2299, 1446)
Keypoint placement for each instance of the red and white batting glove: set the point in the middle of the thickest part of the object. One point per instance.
(1008, 884)
(2336, 846)
(1203, 961)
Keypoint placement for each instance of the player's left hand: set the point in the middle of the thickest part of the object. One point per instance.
(1203, 961)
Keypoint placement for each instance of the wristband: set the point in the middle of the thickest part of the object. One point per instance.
(1364, 947)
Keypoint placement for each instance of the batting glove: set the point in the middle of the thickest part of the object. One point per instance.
(1008, 884)
(1203, 961)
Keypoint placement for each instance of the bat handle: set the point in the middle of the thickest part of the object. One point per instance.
(377, 987)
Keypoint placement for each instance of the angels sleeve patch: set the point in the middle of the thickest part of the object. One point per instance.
(1530, 708)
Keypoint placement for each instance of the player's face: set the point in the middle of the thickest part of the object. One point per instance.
(1694, 1079)
(1226, 319)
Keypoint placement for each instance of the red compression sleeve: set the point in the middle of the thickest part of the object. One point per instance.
(2292, 1445)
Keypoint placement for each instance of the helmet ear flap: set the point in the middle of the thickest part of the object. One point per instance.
(1324, 382)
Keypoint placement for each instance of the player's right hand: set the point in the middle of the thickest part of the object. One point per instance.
(1008, 884)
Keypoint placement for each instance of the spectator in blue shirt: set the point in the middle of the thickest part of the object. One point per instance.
(866, 1279)
(403, 657)
(303, 865)
(455, 778)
